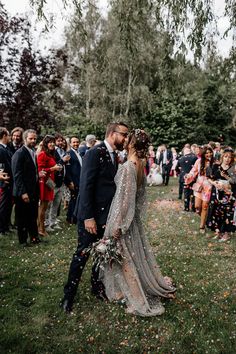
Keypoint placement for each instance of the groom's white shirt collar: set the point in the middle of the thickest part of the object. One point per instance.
(108, 146)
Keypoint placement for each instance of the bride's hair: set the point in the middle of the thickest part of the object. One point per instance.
(140, 141)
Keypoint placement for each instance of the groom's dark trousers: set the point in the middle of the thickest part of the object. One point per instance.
(79, 261)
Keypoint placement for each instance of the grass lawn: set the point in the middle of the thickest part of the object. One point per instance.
(202, 319)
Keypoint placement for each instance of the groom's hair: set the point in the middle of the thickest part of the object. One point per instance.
(112, 127)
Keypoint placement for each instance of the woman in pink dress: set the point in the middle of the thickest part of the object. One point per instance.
(202, 186)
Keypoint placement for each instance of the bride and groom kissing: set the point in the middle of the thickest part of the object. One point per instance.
(110, 207)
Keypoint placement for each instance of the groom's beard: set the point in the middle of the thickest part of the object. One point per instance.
(119, 146)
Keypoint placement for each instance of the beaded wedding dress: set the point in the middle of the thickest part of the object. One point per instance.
(138, 280)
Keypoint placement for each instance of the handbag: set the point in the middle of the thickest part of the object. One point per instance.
(197, 187)
(50, 183)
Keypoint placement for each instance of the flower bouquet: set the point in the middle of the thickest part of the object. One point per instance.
(106, 251)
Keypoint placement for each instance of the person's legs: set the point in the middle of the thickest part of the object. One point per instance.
(167, 175)
(53, 212)
(164, 174)
(70, 218)
(77, 265)
(192, 200)
(198, 205)
(32, 221)
(187, 193)
(5, 208)
(41, 216)
(181, 189)
(21, 217)
(204, 214)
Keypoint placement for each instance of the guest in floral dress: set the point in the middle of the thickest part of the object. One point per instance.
(221, 209)
(202, 186)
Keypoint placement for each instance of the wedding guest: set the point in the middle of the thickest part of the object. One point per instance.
(193, 148)
(97, 188)
(46, 162)
(151, 157)
(53, 208)
(26, 189)
(166, 159)
(154, 178)
(90, 141)
(65, 189)
(158, 154)
(72, 178)
(217, 152)
(222, 203)
(198, 151)
(16, 139)
(184, 166)
(5, 186)
(202, 186)
(173, 171)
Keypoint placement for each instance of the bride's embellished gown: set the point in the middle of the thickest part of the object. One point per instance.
(138, 280)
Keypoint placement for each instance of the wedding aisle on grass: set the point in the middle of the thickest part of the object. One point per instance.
(202, 318)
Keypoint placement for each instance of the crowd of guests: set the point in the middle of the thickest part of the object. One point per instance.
(36, 181)
(207, 179)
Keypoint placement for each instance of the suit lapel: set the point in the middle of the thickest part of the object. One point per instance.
(112, 167)
(77, 158)
(31, 157)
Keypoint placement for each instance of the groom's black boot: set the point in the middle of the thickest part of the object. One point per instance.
(66, 305)
(98, 289)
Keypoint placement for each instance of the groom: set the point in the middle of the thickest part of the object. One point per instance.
(97, 189)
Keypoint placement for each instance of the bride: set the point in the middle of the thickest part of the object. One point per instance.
(136, 279)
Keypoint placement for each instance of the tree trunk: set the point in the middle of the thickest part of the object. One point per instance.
(128, 96)
(88, 94)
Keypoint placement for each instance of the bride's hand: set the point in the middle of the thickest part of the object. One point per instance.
(117, 234)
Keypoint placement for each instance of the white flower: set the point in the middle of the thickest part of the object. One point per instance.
(102, 246)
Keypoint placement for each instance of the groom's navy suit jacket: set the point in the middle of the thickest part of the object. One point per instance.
(97, 186)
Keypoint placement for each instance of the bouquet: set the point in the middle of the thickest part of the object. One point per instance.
(106, 251)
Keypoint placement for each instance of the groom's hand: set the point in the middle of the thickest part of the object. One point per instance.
(90, 226)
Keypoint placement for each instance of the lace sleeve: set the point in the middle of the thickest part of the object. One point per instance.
(122, 208)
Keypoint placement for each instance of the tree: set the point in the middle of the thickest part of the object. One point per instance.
(28, 80)
(188, 18)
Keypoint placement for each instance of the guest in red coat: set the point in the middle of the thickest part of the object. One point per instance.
(47, 163)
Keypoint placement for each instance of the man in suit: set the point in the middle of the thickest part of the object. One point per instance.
(97, 189)
(5, 186)
(16, 139)
(184, 165)
(26, 189)
(72, 178)
(90, 142)
(166, 159)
